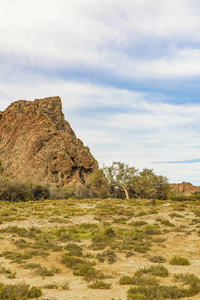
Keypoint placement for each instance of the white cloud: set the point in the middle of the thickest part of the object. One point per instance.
(101, 35)
(148, 131)
(124, 40)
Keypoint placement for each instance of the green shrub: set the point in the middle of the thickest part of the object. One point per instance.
(167, 223)
(189, 279)
(157, 270)
(81, 267)
(22, 244)
(155, 292)
(31, 266)
(138, 280)
(18, 291)
(43, 271)
(109, 255)
(99, 285)
(142, 248)
(50, 286)
(139, 223)
(34, 292)
(74, 250)
(103, 238)
(152, 230)
(18, 257)
(179, 261)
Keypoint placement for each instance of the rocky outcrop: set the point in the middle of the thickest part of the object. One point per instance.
(185, 187)
(38, 144)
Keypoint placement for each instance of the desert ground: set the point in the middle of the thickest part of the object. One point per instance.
(101, 249)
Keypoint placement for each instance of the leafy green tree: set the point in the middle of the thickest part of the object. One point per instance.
(151, 186)
(125, 180)
(120, 176)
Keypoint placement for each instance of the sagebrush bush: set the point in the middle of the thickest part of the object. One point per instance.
(19, 291)
(179, 261)
(157, 270)
(138, 280)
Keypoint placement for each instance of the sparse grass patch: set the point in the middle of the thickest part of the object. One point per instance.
(139, 223)
(167, 223)
(152, 230)
(159, 240)
(152, 212)
(65, 285)
(141, 214)
(22, 244)
(142, 248)
(57, 220)
(175, 215)
(7, 272)
(31, 266)
(179, 208)
(19, 257)
(50, 286)
(121, 220)
(190, 280)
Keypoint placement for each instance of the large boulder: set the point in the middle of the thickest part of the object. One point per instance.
(38, 144)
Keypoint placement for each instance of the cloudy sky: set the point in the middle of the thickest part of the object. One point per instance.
(128, 73)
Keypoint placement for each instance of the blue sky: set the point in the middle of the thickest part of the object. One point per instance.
(127, 72)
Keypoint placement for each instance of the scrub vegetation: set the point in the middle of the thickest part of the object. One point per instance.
(144, 257)
(138, 248)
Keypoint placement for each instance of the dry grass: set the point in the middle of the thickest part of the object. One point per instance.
(112, 243)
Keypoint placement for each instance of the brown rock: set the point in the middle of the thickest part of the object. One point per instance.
(185, 187)
(38, 144)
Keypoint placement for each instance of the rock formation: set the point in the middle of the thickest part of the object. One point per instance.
(38, 144)
(185, 187)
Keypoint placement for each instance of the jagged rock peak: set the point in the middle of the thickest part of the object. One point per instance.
(37, 143)
(51, 107)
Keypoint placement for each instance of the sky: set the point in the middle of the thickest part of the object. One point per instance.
(128, 74)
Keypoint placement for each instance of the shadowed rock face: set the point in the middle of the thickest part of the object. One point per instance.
(37, 143)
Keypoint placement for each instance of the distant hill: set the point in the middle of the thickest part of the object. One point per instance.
(38, 144)
(185, 187)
